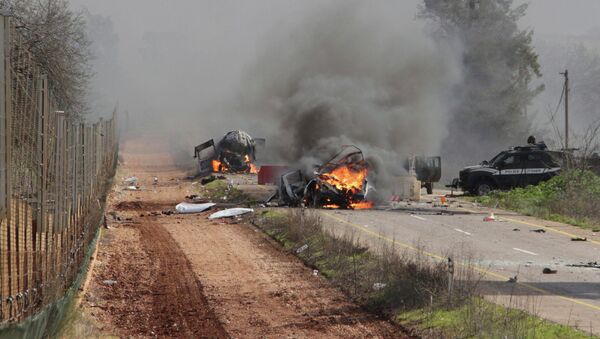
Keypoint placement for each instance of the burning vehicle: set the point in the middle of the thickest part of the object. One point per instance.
(339, 183)
(234, 153)
(342, 182)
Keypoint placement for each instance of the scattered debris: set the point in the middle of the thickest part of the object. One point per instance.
(132, 188)
(131, 181)
(155, 181)
(185, 207)
(109, 282)
(302, 249)
(167, 212)
(512, 280)
(539, 230)
(578, 239)
(587, 265)
(231, 212)
(379, 286)
(490, 217)
(315, 272)
(549, 271)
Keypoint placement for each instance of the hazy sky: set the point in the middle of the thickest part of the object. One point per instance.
(232, 32)
(568, 17)
(216, 41)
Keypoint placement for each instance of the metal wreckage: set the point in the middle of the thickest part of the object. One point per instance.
(234, 153)
(341, 182)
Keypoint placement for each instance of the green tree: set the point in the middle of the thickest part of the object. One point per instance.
(499, 64)
(57, 38)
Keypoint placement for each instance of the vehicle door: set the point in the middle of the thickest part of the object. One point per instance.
(539, 167)
(205, 153)
(510, 171)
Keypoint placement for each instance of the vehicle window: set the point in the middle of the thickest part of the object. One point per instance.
(540, 160)
(534, 160)
(510, 161)
(497, 158)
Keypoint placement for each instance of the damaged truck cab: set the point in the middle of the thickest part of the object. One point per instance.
(234, 153)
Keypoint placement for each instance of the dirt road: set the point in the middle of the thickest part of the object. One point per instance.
(170, 275)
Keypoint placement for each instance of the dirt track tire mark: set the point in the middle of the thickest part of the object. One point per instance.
(179, 305)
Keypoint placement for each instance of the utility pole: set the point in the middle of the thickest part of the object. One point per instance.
(566, 75)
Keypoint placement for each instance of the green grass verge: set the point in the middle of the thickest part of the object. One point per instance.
(570, 198)
(222, 191)
(478, 318)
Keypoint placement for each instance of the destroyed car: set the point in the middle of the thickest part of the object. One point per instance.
(516, 167)
(339, 183)
(234, 153)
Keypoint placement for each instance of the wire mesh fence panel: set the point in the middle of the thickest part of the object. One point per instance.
(54, 171)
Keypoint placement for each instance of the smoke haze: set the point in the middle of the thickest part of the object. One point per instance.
(351, 74)
(307, 75)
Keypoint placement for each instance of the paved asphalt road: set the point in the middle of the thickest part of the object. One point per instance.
(501, 249)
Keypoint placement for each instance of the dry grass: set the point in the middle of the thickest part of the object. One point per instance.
(385, 281)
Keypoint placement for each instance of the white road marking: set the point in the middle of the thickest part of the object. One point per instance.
(461, 231)
(418, 217)
(524, 251)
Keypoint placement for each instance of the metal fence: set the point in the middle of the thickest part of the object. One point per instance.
(54, 171)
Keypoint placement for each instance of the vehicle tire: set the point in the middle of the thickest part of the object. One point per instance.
(484, 187)
(429, 187)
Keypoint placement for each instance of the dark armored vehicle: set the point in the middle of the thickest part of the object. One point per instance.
(516, 167)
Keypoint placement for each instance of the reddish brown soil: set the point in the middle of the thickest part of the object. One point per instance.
(185, 276)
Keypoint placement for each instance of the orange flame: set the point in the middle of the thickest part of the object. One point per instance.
(345, 178)
(362, 205)
(350, 180)
(253, 168)
(219, 166)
